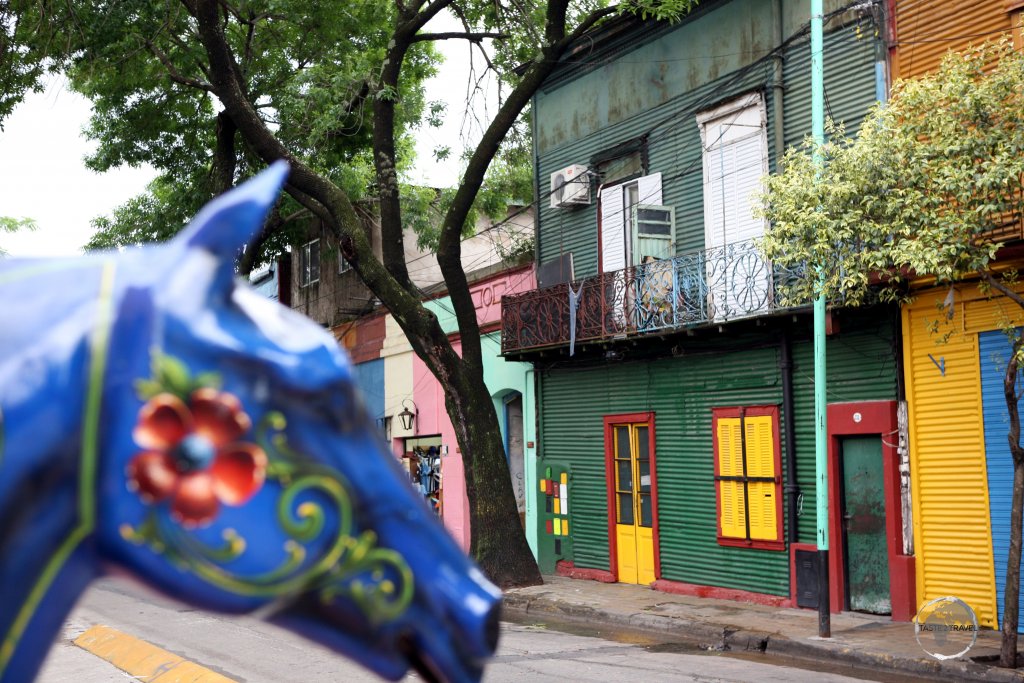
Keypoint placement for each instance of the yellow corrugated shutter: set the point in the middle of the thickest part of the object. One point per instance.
(730, 464)
(926, 31)
(761, 463)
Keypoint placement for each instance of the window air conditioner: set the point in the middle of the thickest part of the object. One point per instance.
(570, 186)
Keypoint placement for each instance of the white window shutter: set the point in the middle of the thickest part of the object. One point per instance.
(650, 189)
(734, 173)
(613, 223)
(613, 245)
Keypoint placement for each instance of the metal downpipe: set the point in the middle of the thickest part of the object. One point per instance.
(792, 489)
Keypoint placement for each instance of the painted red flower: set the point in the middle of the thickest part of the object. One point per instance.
(193, 457)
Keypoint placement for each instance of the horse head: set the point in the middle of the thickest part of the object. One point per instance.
(221, 454)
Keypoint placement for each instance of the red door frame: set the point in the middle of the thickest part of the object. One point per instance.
(869, 418)
(609, 468)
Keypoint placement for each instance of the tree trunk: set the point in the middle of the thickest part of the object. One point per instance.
(497, 540)
(1011, 596)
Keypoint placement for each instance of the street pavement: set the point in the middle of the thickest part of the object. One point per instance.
(249, 650)
(872, 645)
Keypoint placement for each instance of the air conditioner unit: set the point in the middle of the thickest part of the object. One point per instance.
(570, 186)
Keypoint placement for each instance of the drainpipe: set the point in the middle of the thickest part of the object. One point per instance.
(778, 85)
(881, 54)
(792, 489)
(536, 183)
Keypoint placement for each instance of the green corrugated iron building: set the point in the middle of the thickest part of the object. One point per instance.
(675, 431)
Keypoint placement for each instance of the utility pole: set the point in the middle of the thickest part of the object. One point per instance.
(820, 397)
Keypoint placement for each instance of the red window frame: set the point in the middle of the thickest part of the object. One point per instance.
(741, 412)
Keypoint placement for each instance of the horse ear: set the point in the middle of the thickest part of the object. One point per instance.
(233, 219)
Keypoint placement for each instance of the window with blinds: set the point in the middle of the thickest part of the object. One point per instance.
(309, 263)
(748, 481)
(735, 158)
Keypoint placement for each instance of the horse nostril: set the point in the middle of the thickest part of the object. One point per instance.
(492, 627)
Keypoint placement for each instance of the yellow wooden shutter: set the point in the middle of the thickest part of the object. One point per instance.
(761, 463)
(730, 464)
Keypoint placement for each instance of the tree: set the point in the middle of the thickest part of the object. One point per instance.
(8, 224)
(920, 191)
(207, 91)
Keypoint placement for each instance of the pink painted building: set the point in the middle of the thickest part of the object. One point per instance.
(510, 386)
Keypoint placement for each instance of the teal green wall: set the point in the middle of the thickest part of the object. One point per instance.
(719, 372)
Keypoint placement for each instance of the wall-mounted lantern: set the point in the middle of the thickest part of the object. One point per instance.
(408, 417)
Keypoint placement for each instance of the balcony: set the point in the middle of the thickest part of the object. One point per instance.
(706, 287)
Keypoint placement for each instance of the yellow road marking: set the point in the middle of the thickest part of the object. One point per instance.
(144, 660)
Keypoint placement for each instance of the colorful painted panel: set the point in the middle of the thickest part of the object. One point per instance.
(553, 515)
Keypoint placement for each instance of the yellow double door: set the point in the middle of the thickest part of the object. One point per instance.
(634, 532)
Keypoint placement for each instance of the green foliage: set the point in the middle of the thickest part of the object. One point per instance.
(9, 224)
(311, 70)
(919, 191)
(662, 10)
(21, 65)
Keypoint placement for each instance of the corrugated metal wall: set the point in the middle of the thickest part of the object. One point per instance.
(952, 536)
(995, 349)
(682, 391)
(927, 29)
(674, 137)
(850, 56)
(861, 363)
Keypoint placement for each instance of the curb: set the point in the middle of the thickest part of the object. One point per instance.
(930, 669)
(144, 660)
(720, 637)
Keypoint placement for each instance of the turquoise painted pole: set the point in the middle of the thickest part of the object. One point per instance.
(820, 397)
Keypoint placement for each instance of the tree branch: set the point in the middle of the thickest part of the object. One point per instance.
(385, 152)
(173, 72)
(473, 37)
(225, 158)
(1010, 294)
(248, 260)
(449, 253)
(589, 22)
(313, 206)
(432, 10)
(328, 201)
(250, 34)
(357, 101)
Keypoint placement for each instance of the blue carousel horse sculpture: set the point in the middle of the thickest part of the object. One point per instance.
(158, 417)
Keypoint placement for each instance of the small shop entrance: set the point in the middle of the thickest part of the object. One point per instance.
(868, 570)
(423, 458)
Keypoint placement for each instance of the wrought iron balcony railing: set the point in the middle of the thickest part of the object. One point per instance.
(710, 286)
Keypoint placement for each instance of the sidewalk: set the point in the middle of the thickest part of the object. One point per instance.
(858, 640)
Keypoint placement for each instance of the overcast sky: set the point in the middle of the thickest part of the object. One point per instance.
(42, 174)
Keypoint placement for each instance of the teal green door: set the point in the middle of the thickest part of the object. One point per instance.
(867, 557)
